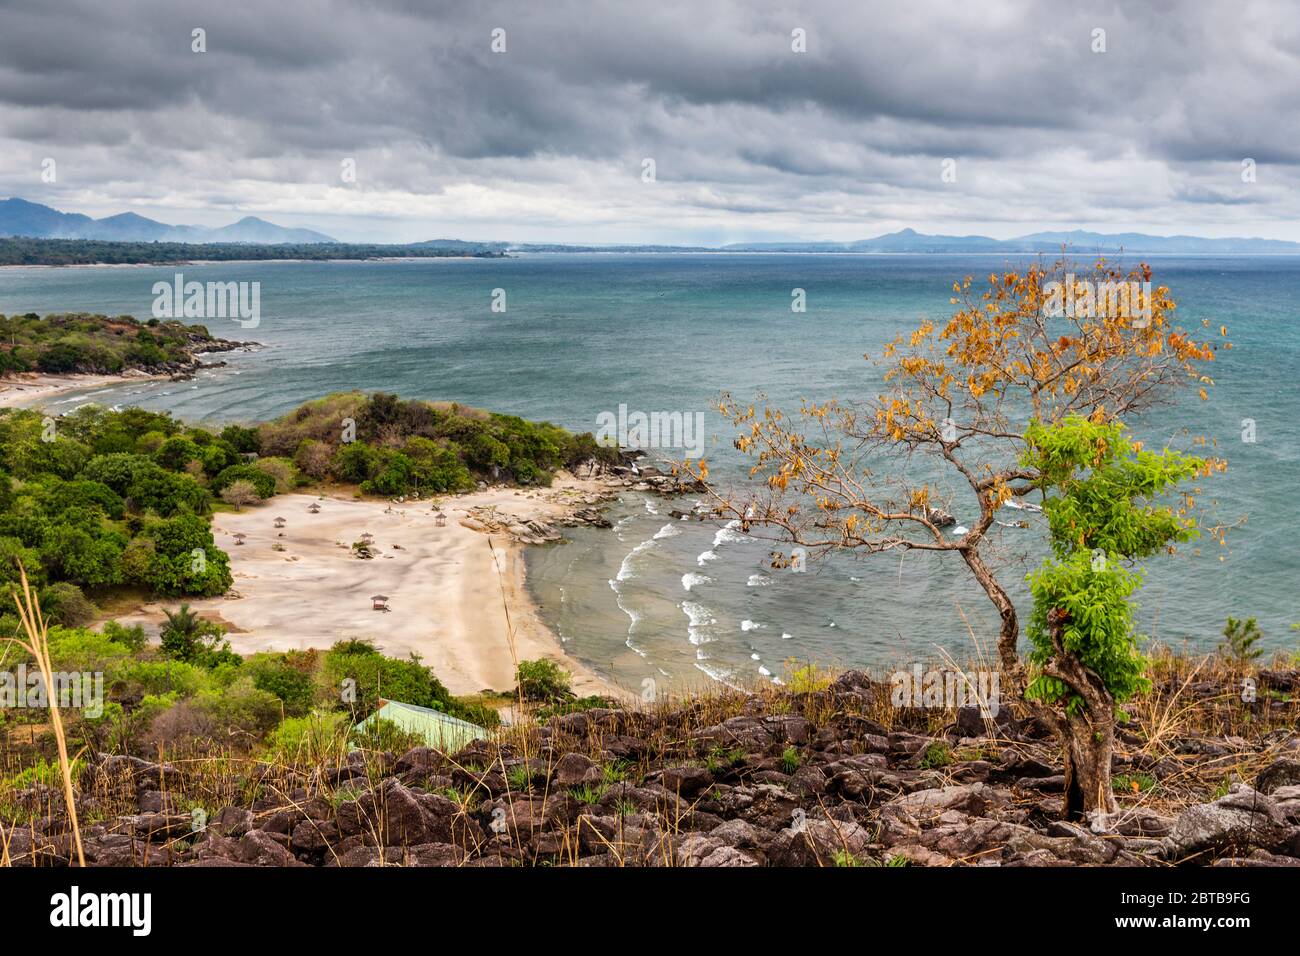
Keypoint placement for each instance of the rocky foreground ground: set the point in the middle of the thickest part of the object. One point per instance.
(813, 779)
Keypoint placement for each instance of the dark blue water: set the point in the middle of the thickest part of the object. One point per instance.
(583, 334)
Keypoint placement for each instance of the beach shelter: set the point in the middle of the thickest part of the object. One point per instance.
(279, 522)
(441, 520)
(314, 508)
(379, 602)
(441, 731)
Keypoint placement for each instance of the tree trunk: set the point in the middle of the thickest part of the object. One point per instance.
(1009, 633)
(1088, 734)
(1087, 744)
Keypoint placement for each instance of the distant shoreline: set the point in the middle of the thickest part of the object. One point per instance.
(220, 262)
(27, 389)
(518, 254)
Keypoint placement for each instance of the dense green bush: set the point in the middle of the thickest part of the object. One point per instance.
(264, 483)
(80, 342)
(312, 740)
(544, 680)
(192, 694)
(371, 676)
(288, 676)
(65, 603)
(356, 462)
(403, 448)
(190, 639)
(178, 556)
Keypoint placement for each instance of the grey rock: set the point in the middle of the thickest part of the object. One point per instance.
(1243, 819)
(1280, 773)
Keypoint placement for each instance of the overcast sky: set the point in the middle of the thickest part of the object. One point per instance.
(750, 139)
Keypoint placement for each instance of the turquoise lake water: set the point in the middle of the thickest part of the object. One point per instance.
(684, 602)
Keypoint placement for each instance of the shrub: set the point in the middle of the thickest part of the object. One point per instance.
(260, 480)
(239, 493)
(182, 726)
(1239, 639)
(63, 356)
(318, 738)
(282, 472)
(543, 680)
(356, 462)
(175, 452)
(277, 674)
(174, 567)
(159, 678)
(129, 636)
(804, 679)
(313, 458)
(83, 557)
(65, 603)
(245, 441)
(241, 707)
(81, 650)
(790, 759)
(409, 681)
(189, 638)
(396, 476)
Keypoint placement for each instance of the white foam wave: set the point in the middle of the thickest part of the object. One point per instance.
(701, 620)
(728, 534)
(718, 674)
(625, 570)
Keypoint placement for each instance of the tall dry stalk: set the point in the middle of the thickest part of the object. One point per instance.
(38, 645)
(510, 631)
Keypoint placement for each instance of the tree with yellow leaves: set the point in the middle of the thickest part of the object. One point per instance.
(1041, 345)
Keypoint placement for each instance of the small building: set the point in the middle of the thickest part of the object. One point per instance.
(440, 519)
(379, 602)
(440, 731)
(314, 508)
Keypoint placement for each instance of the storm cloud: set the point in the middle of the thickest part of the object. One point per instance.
(750, 139)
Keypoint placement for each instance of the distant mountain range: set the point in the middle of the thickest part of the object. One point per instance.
(1078, 241)
(18, 217)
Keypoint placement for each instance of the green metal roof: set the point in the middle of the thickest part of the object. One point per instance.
(441, 731)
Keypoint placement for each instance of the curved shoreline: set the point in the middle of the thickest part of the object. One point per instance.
(26, 389)
(456, 594)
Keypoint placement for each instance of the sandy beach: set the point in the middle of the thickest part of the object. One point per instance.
(32, 388)
(448, 588)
